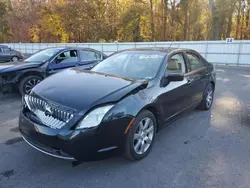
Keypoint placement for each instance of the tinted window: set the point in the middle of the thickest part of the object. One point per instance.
(176, 64)
(194, 62)
(67, 57)
(132, 64)
(86, 55)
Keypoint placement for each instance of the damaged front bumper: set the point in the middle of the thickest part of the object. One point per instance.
(8, 82)
(75, 145)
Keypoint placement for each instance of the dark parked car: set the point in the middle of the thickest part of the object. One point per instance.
(118, 106)
(9, 54)
(25, 75)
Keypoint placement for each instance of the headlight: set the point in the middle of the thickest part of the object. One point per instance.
(94, 117)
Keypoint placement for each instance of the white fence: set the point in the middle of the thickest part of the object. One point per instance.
(236, 52)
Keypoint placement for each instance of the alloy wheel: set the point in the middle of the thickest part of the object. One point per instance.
(209, 98)
(30, 84)
(143, 136)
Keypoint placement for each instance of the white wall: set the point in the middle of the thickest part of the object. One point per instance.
(237, 52)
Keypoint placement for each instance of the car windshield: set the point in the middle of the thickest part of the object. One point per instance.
(43, 55)
(132, 64)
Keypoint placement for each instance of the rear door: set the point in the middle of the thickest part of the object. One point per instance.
(89, 58)
(197, 76)
(64, 60)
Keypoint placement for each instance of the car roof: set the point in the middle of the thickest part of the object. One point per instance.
(69, 47)
(166, 50)
(60, 49)
(3, 46)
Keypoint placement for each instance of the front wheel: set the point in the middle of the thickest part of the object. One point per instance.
(208, 98)
(141, 136)
(27, 84)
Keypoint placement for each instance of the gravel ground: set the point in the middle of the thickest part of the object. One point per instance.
(201, 149)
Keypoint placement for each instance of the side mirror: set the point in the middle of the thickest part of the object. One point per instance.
(175, 77)
(171, 77)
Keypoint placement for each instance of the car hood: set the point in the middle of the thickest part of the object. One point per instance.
(9, 67)
(82, 90)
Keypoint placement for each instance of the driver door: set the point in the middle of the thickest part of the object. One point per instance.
(174, 97)
(64, 60)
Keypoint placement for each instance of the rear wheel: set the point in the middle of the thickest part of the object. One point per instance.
(27, 84)
(208, 98)
(14, 59)
(141, 136)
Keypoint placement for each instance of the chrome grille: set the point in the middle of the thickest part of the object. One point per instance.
(48, 113)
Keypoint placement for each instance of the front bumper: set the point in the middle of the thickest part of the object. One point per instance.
(48, 150)
(7, 88)
(81, 145)
(7, 85)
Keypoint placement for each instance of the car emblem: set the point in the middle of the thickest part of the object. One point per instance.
(48, 111)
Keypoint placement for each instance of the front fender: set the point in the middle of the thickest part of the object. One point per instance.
(132, 105)
(26, 72)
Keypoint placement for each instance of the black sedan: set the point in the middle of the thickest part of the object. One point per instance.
(25, 75)
(118, 106)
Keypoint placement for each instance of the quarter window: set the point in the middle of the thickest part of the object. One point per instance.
(194, 62)
(176, 64)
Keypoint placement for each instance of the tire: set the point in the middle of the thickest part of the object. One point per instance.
(14, 59)
(208, 96)
(131, 143)
(27, 83)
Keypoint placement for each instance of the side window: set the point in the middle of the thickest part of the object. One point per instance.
(98, 56)
(67, 57)
(194, 62)
(176, 64)
(6, 49)
(86, 55)
(1, 49)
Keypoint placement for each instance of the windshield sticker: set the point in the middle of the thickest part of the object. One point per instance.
(148, 57)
